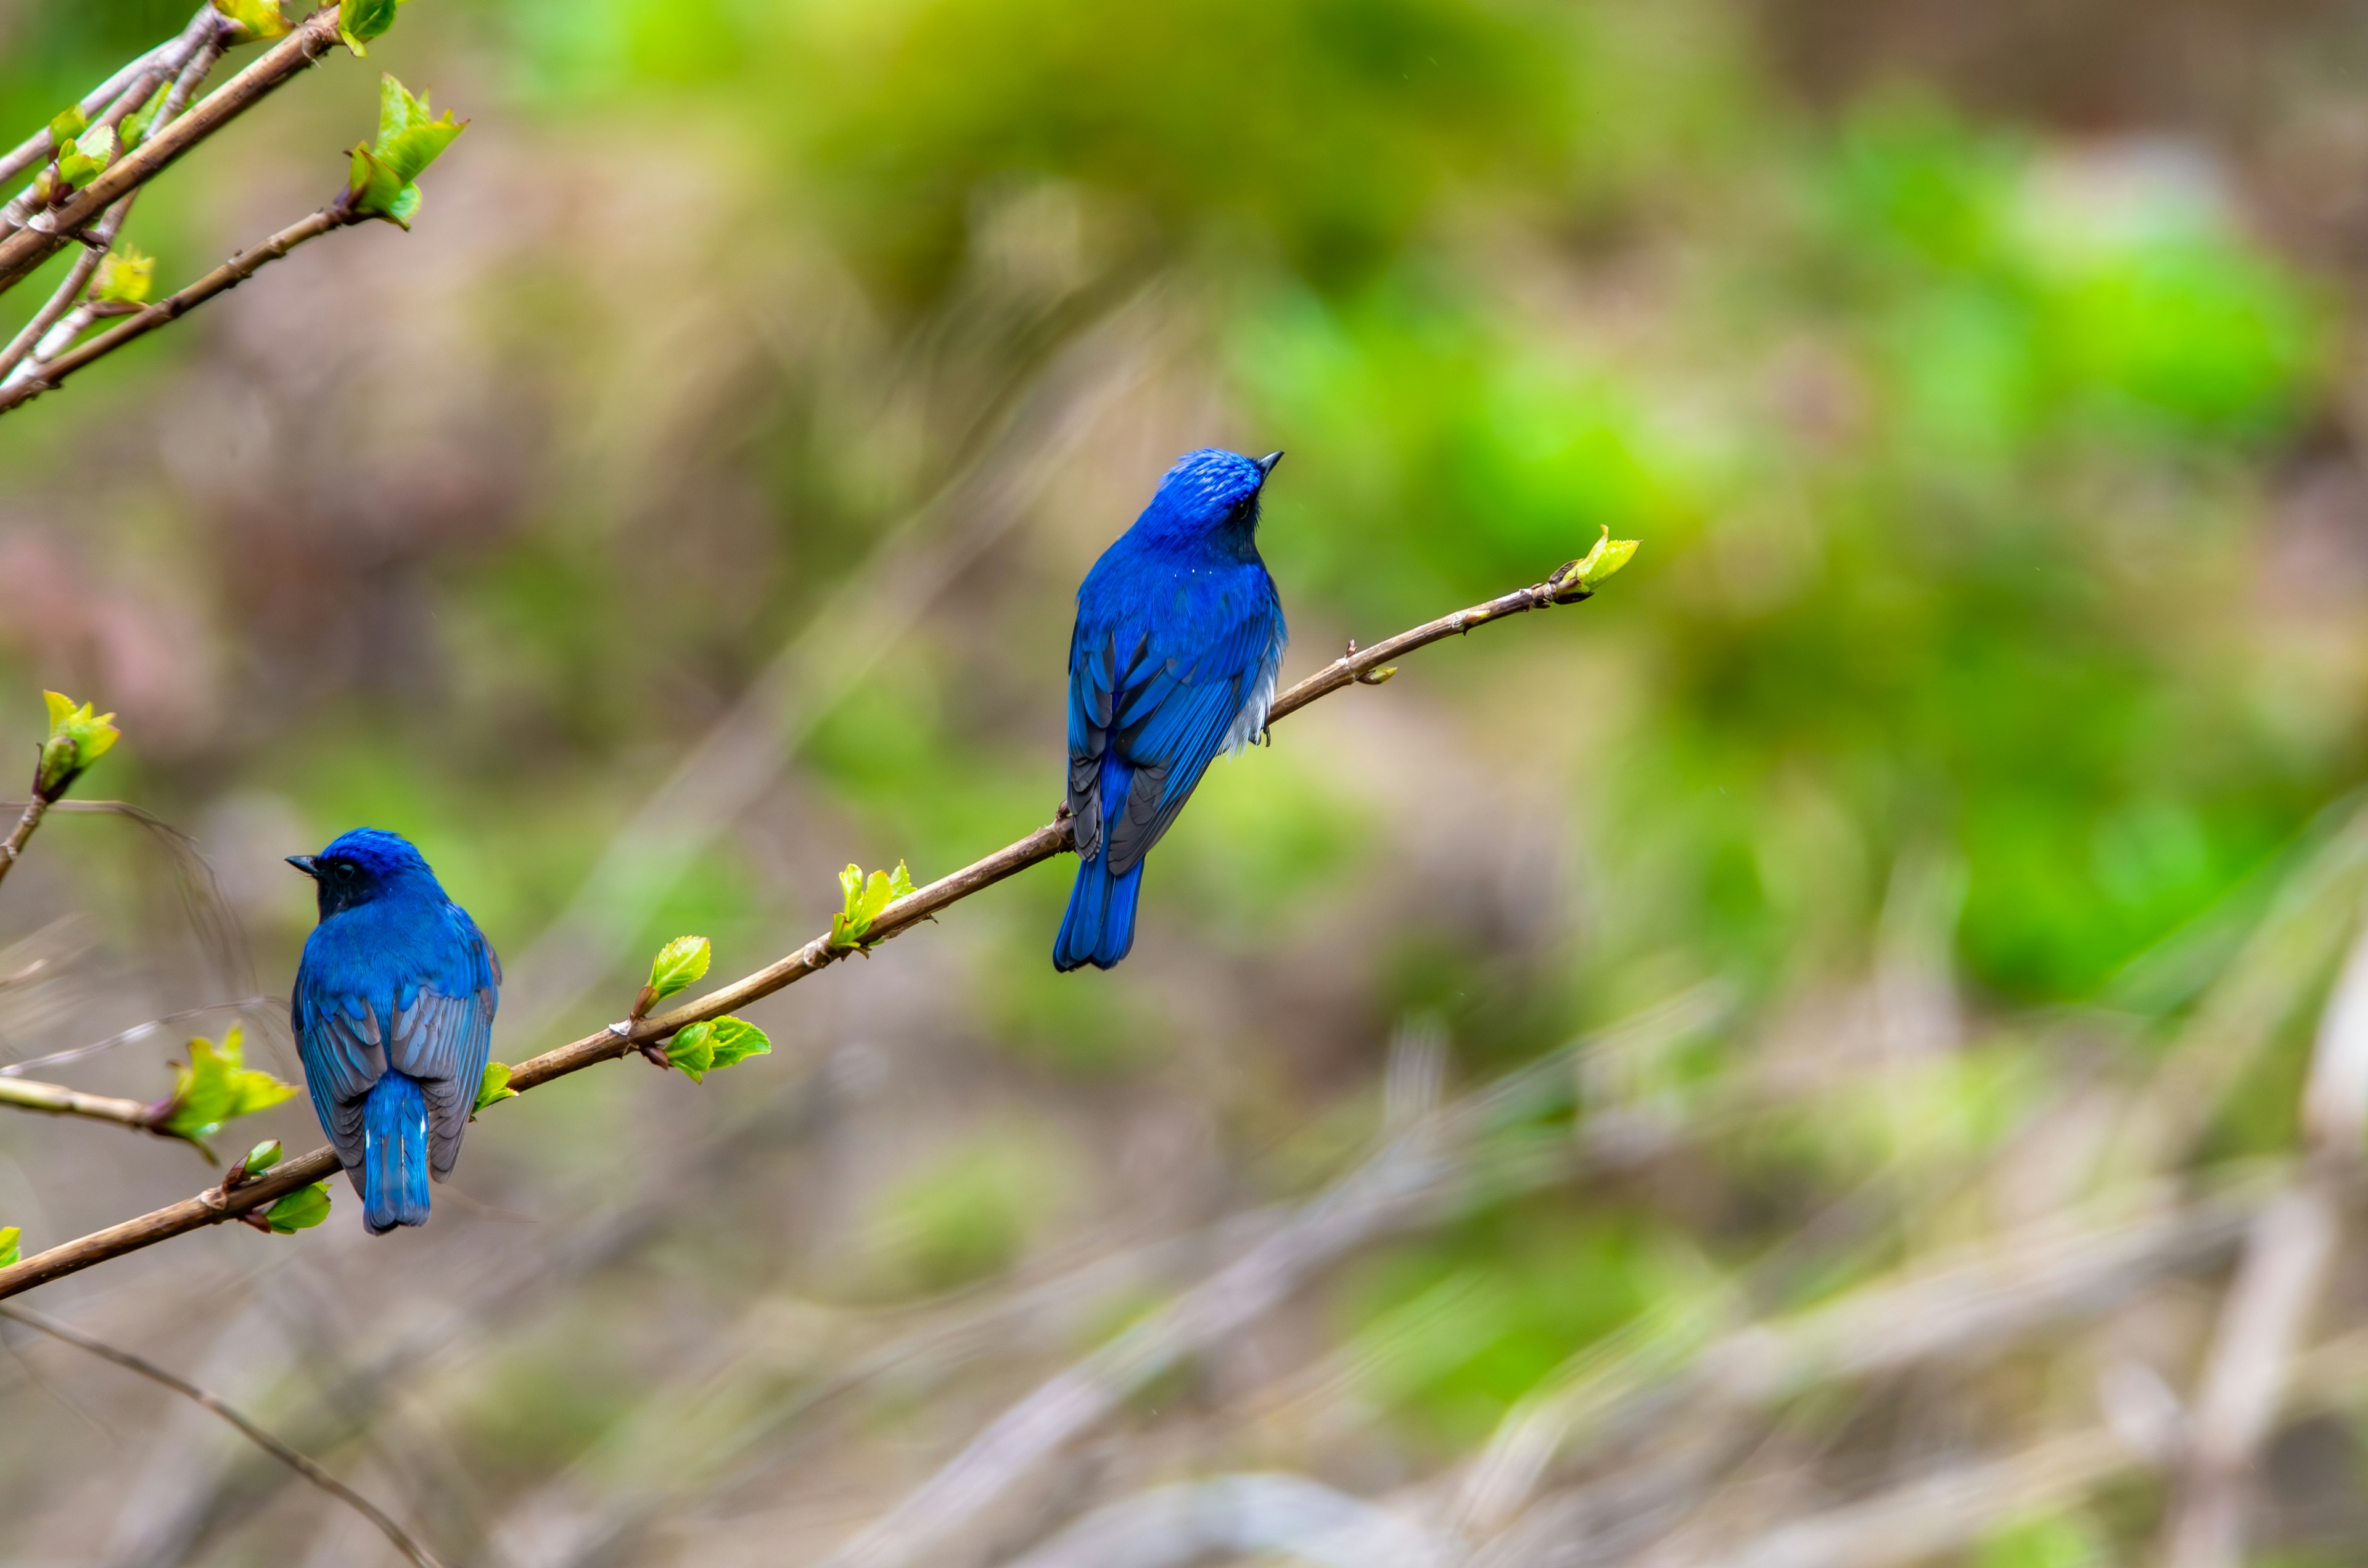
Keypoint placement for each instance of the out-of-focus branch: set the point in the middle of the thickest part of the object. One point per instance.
(1240, 1516)
(155, 64)
(45, 233)
(66, 313)
(212, 1208)
(221, 279)
(2277, 1283)
(254, 1434)
(121, 1036)
(56, 1099)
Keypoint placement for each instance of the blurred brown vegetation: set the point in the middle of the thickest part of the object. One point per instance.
(1778, 1067)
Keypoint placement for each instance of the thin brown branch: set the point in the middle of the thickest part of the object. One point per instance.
(213, 1207)
(27, 821)
(221, 279)
(45, 233)
(166, 56)
(302, 1466)
(76, 1052)
(56, 1099)
(65, 315)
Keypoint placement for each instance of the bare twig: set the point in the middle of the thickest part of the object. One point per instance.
(56, 1099)
(212, 1208)
(2277, 1283)
(123, 1037)
(45, 233)
(14, 845)
(221, 279)
(302, 1466)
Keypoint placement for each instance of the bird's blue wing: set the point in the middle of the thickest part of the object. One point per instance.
(337, 1036)
(443, 1032)
(1164, 717)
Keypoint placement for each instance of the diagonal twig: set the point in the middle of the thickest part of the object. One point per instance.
(296, 1461)
(213, 1207)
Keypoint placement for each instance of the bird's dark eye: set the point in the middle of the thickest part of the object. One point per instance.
(345, 870)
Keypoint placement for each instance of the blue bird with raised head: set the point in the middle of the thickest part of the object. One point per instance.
(393, 1015)
(1178, 639)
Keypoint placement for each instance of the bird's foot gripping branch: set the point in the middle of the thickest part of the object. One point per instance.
(702, 1036)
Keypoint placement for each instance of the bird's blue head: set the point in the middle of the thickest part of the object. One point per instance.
(363, 865)
(1210, 496)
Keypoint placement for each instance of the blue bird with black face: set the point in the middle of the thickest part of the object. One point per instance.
(393, 1015)
(1178, 639)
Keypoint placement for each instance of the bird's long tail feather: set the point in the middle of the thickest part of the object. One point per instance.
(394, 1154)
(1100, 927)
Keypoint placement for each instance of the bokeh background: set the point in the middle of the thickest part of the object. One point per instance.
(1887, 928)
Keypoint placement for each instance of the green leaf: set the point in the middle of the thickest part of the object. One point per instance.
(301, 1209)
(737, 1040)
(263, 1156)
(679, 963)
(492, 1086)
(864, 899)
(1578, 578)
(67, 124)
(81, 160)
(409, 139)
(255, 18)
(692, 1049)
(125, 276)
(215, 1086)
(77, 738)
(358, 21)
(8, 1234)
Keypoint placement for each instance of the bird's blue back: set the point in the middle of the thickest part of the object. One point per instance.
(1178, 638)
(393, 1011)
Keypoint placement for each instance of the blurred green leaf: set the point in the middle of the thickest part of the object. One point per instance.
(8, 1234)
(81, 161)
(692, 1049)
(492, 1086)
(737, 1040)
(125, 276)
(679, 964)
(255, 19)
(263, 1156)
(215, 1086)
(77, 738)
(67, 124)
(358, 21)
(864, 901)
(301, 1209)
(381, 183)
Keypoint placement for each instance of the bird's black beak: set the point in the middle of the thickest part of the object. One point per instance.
(304, 864)
(1266, 464)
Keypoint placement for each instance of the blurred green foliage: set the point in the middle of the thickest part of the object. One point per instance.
(1956, 447)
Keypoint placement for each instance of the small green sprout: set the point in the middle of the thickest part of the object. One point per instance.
(865, 898)
(125, 278)
(299, 1210)
(358, 21)
(8, 1234)
(254, 19)
(216, 1085)
(1579, 578)
(493, 1087)
(703, 1048)
(384, 172)
(77, 738)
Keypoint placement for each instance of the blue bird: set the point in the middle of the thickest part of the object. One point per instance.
(393, 1015)
(1178, 639)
